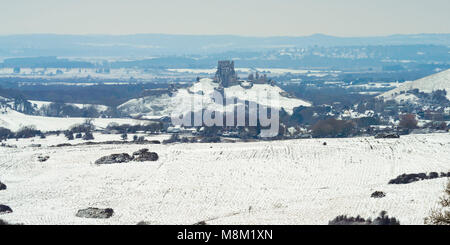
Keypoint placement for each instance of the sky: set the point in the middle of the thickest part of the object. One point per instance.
(237, 17)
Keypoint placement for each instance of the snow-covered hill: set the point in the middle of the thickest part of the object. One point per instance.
(179, 101)
(270, 182)
(427, 84)
(40, 104)
(14, 120)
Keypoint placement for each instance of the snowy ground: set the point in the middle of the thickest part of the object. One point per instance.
(183, 100)
(14, 120)
(279, 182)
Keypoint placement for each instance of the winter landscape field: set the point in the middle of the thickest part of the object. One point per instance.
(187, 113)
(281, 182)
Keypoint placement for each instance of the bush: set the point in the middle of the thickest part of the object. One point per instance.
(365, 122)
(27, 132)
(124, 136)
(173, 138)
(214, 139)
(68, 135)
(408, 121)
(88, 136)
(127, 128)
(333, 128)
(85, 127)
(2, 222)
(382, 219)
(138, 139)
(441, 216)
(5, 133)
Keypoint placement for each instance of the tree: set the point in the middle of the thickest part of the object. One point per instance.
(124, 136)
(5, 133)
(408, 121)
(69, 135)
(27, 132)
(88, 136)
(332, 127)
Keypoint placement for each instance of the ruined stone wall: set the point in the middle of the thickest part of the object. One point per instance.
(226, 75)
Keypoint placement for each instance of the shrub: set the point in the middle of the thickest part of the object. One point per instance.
(5, 133)
(88, 136)
(2, 222)
(124, 136)
(127, 128)
(382, 219)
(441, 216)
(27, 132)
(138, 139)
(408, 121)
(173, 138)
(214, 139)
(68, 135)
(332, 127)
(85, 127)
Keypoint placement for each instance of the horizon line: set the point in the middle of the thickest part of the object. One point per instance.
(227, 35)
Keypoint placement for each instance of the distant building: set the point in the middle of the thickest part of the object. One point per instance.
(226, 75)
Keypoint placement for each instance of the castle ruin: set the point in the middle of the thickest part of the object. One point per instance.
(226, 76)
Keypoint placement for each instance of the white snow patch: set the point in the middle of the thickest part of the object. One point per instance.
(279, 182)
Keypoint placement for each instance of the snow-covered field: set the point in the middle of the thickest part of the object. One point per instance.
(15, 120)
(278, 182)
(39, 104)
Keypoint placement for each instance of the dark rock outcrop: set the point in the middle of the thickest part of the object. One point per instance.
(141, 151)
(409, 178)
(95, 213)
(114, 158)
(43, 158)
(2, 186)
(378, 194)
(201, 223)
(144, 155)
(5, 209)
(387, 136)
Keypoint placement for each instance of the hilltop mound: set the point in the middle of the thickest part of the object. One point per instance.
(166, 104)
(438, 81)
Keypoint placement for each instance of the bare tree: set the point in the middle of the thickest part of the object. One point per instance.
(441, 216)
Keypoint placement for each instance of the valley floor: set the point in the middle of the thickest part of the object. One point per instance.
(278, 182)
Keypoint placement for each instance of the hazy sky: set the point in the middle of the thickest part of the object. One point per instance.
(241, 17)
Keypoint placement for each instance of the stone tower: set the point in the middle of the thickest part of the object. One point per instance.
(225, 75)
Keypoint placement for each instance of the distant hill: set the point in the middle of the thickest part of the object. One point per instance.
(145, 45)
(178, 102)
(438, 81)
